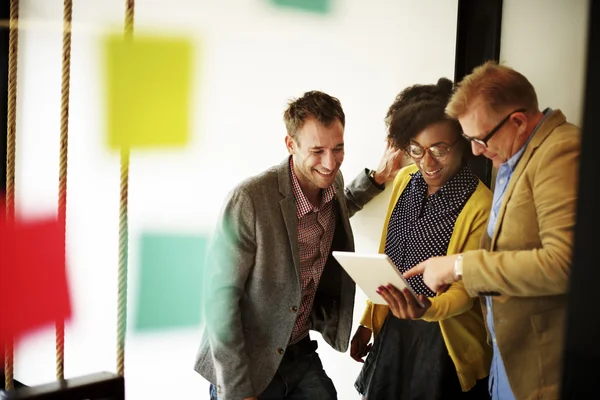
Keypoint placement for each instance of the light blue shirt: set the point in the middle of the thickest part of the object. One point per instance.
(498, 381)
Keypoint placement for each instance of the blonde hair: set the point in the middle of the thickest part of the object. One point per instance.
(498, 87)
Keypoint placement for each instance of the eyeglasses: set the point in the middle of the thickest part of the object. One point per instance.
(439, 151)
(483, 142)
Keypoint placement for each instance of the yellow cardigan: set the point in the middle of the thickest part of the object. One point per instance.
(461, 323)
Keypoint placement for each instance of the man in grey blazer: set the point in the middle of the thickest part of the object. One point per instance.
(270, 274)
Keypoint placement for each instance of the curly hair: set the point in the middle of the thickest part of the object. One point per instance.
(321, 106)
(416, 108)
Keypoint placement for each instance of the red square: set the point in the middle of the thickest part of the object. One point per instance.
(33, 281)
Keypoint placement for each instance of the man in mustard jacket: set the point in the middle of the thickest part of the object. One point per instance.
(522, 268)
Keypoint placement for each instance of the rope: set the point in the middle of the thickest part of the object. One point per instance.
(10, 155)
(62, 175)
(123, 228)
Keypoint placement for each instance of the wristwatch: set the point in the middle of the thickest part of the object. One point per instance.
(458, 267)
(371, 175)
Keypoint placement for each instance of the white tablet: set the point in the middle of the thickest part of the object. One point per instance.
(370, 271)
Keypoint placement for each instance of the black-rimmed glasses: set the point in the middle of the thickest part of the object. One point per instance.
(483, 142)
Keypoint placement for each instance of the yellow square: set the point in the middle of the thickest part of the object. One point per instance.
(148, 81)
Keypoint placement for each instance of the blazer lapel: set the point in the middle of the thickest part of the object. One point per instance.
(289, 211)
(340, 199)
(552, 121)
(485, 241)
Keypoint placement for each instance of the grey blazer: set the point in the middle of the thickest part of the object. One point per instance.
(252, 281)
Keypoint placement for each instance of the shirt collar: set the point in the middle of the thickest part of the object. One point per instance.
(450, 190)
(303, 206)
(512, 162)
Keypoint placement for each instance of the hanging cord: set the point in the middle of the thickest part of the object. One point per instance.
(62, 176)
(11, 133)
(123, 228)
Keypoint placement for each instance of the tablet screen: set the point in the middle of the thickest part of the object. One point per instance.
(370, 271)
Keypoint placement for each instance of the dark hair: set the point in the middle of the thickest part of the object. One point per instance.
(417, 107)
(321, 106)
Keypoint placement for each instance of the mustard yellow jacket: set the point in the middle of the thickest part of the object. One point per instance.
(528, 260)
(461, 323)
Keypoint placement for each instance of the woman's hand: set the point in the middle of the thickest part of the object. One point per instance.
(402, 303)
(359, 346)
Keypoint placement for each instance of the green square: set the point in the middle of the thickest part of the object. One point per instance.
(315, 6)
(148, 89)
(170, 286)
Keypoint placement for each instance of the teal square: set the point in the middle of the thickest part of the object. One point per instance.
(315, 6)
(169, 292)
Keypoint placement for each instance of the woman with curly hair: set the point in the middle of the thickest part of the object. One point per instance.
(438, 207)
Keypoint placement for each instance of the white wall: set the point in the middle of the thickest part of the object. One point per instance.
(253, 58)
(546, 40)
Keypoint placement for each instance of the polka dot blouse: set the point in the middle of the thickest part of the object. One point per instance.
(420, 226)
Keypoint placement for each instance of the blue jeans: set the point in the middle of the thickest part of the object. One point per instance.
(300, 379)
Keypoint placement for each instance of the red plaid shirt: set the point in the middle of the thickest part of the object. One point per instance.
(315, 235)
